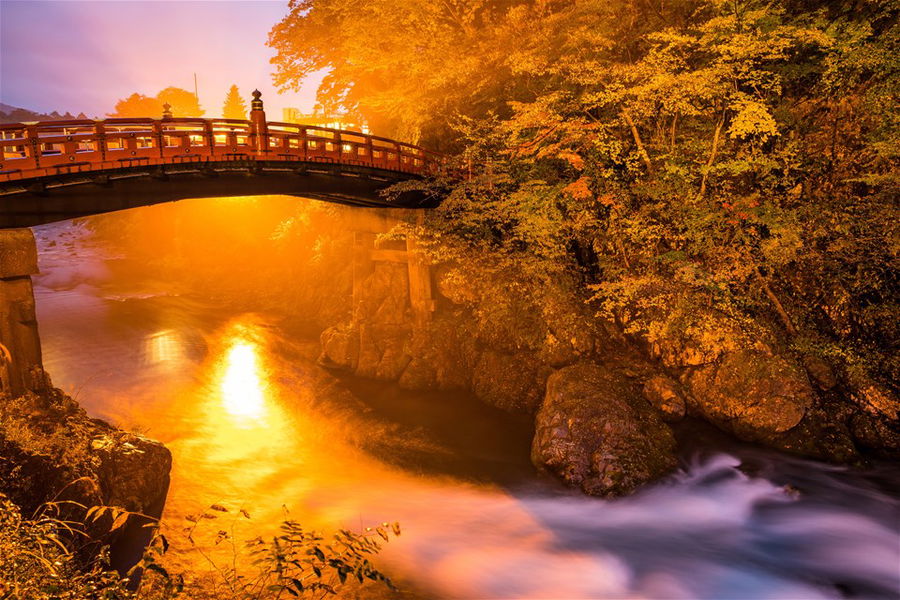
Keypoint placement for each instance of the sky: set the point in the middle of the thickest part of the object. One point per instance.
(84, 55)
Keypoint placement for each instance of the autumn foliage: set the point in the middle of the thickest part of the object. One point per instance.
(704, 168)
(182, 102)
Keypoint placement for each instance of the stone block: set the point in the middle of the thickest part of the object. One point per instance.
(18, 253)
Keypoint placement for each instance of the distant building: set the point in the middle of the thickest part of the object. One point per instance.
(322, 119)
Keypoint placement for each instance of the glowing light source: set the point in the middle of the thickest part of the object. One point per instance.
(242, 387)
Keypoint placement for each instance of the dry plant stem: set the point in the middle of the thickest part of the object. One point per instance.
(672, 133)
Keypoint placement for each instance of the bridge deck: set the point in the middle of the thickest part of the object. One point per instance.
(59, 169)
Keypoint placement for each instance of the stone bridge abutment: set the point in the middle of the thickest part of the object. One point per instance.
(21, 368)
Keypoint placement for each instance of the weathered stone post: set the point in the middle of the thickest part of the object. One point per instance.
(420, 294)
(19, 340)
(363, 265)
(259, 131)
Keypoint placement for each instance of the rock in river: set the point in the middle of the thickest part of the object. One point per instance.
(596, 431)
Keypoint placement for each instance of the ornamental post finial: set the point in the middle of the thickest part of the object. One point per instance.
(256, 103)
(167, 111)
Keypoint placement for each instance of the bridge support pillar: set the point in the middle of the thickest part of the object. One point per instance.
(21, 367)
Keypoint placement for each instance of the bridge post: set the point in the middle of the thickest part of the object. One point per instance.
(33, 148)
(100, 139)
(259, 131)
(19, 340)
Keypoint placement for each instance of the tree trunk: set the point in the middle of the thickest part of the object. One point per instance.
(712, 155)
(637, 140)
(779, 307)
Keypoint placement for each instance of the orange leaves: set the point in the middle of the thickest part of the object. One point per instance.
(740, 209)
(608, 200)
(573, 159)
(580, 189)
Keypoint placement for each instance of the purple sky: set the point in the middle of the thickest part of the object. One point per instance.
(84, 55)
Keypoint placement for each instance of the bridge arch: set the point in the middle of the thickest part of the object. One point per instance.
(57, 170)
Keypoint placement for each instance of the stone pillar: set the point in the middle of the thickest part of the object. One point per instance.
(420, 294)
(363, 243)
(259, 130)
(21, 367)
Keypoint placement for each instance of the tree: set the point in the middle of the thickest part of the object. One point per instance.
(703, 166)
(235, 107)
(138, 105)
(183, 102)
(428, 63)
(435, 60)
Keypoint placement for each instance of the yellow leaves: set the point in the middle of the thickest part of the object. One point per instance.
(753, 119)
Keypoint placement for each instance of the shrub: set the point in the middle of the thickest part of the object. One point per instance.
(41, 559)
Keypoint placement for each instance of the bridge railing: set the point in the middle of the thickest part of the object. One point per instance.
(57, 147)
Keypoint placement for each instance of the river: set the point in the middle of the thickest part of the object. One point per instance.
(254, 423)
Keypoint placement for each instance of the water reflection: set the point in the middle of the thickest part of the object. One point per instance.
(242, 387)
(241, 425)
(163, 347)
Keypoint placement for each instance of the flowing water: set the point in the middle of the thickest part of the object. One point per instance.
(254, 423)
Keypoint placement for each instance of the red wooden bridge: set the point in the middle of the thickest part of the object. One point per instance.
(57, 170)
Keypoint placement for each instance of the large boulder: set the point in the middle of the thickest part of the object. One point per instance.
(768, 399)
(508, 381)
(878, 434)
(132, 470)
(595, 431)
(382, 351)
(384, 296)
(876, 423)
(419, 375)
(340, 348)
(752, 394)
(665, 395)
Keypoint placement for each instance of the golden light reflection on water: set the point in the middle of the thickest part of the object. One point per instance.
(242, 387)
(258, 431)
(163, 347)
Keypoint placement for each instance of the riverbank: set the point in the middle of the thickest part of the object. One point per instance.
(235, 393)
(51, 451)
